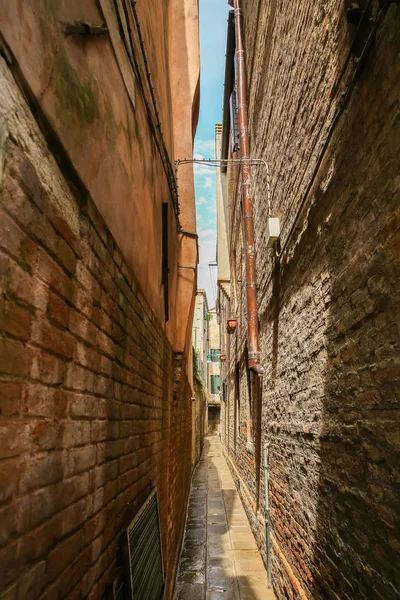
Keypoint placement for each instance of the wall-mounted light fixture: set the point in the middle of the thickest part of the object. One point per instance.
(273, 231)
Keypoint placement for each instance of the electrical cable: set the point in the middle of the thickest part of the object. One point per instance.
(154, 128)
(171, 173)
(220, 162)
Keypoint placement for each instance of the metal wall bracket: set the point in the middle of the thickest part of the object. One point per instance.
(81, 28)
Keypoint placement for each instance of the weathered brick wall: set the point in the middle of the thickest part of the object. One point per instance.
(95, 410)
(328, 308)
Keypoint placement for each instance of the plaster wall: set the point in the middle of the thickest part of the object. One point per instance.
(222, 214)
(88, 95)
(200, 333)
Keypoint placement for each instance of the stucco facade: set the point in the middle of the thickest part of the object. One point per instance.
(319, 431)
(200, 334)
(213, 358)
(98, 270)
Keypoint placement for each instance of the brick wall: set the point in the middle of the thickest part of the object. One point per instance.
(328, 407)
(95, 408)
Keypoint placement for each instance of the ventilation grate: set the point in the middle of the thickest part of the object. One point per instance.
(116, 591)
(119, 589)
(145, 552)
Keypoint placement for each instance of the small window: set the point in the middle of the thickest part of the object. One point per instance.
(224, 391)
(214, 355)
(164, 265)
(215, 384)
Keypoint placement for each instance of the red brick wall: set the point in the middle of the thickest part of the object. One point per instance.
(94, 413)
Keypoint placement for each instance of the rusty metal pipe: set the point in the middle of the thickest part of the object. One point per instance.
(248, 218)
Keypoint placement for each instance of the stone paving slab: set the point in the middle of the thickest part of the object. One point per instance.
(219, 559)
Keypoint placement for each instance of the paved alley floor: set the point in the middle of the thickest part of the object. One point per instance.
(219, 560)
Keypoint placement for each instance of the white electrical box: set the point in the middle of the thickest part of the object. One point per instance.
(273, 231)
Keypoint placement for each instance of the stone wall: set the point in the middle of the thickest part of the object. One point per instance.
(96, 409)
(328, 404)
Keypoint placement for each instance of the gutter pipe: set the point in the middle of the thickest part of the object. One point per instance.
(248, 218)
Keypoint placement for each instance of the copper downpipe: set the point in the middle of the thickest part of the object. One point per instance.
(248, 218)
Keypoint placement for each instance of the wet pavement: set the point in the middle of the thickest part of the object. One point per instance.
(219, 559)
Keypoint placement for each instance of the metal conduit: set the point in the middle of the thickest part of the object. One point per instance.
(248, 218)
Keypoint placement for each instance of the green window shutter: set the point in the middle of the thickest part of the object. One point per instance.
(215, 384)
(214, 355)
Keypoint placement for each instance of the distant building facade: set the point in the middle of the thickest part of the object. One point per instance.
(206, 357)
(213, 376)
(313, 444)
(200, 335)
(213, 358)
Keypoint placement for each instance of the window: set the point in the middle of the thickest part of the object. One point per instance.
(224, 392)
(215, 384)
(214, 355)
(164, 265)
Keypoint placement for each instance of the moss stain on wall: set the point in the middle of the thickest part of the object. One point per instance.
(78, 97)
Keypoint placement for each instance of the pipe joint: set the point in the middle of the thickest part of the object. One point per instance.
(256, 368)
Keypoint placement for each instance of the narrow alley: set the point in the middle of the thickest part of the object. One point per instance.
(199, 300)
(219, 558)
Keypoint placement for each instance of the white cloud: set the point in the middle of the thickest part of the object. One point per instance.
(201, 170)
(207, 200)
(203, 153)
(205, 147)
(205, 234)
(208, 182)
(211, 209)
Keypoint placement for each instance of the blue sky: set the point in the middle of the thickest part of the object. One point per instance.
(213, 26)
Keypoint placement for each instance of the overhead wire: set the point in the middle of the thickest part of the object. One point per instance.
(155, 127)
(171, 173)
(219, 162)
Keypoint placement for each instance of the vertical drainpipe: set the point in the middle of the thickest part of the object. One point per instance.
(248, 218)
